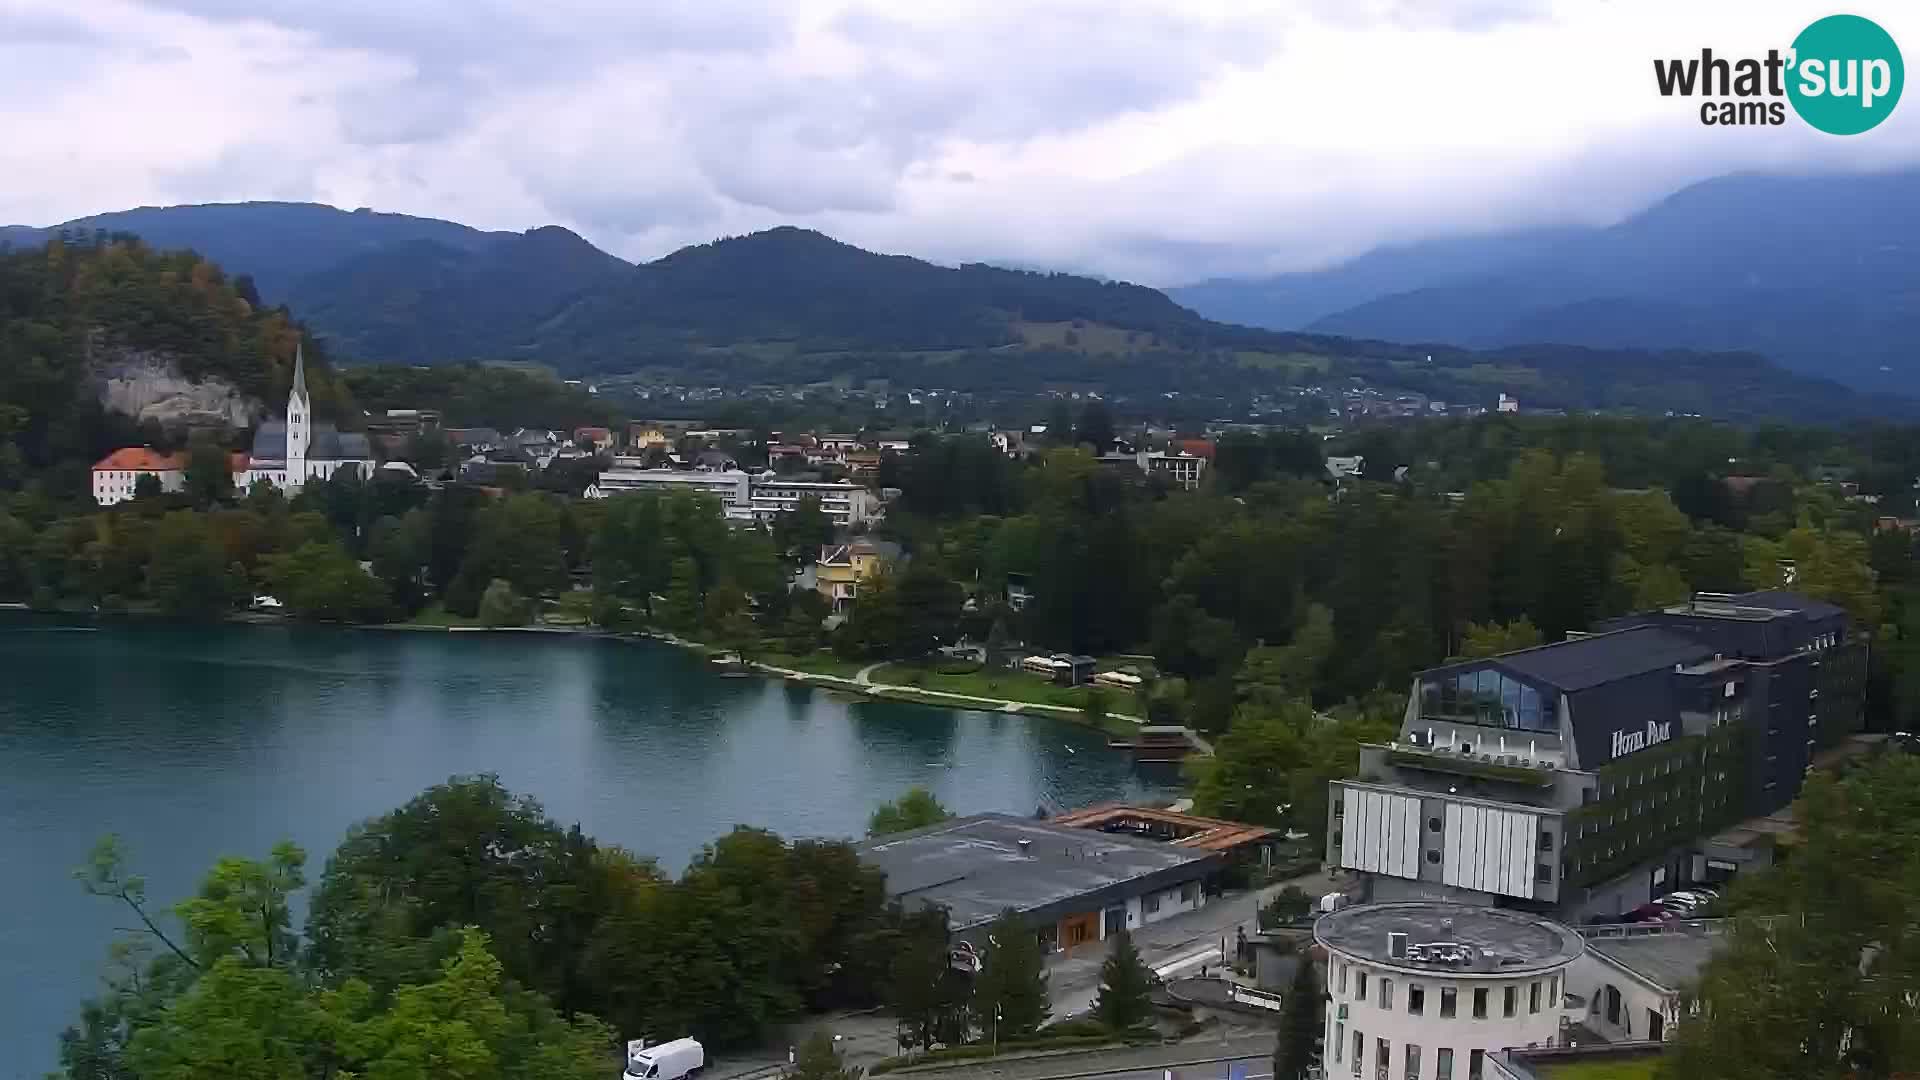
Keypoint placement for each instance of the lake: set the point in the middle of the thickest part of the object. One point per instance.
(194, 742)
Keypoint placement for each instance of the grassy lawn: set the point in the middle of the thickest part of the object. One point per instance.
(1005, 685)
(1636, 1068)
(439, 617)
(820, 663)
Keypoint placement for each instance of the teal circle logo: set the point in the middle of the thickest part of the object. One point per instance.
(1846, 75)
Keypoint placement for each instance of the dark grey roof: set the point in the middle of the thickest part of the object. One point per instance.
(1669, 959)
(1790, 601)
(475, 436)
(976, 868)
(329, 443)
(1603, 658)
(1504, 941)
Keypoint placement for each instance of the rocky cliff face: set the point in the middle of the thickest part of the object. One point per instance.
(149, 386)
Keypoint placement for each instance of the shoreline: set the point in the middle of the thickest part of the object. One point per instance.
(871, 691)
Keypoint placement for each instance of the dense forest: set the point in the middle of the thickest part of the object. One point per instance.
(70, 311)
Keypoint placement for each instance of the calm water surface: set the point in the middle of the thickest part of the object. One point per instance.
(196, 742)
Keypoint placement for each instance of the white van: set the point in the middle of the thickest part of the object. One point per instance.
(665, 1061)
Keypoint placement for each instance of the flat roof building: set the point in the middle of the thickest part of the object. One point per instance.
(1431, 990)
(1171, 827)
(1586, 777)
(1076, 885)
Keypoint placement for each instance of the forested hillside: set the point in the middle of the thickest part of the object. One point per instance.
(790, 307)
(68, 310)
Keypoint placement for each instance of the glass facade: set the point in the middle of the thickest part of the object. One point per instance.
(1490, 698)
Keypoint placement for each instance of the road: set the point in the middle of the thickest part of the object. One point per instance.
(1173, 946)
(1202, 1059)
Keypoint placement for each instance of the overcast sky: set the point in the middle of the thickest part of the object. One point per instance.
(1156, 141)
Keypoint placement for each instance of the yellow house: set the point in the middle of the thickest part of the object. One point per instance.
(641, 436)
(841, 568)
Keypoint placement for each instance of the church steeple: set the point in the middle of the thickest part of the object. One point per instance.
(299, 372)
(299, 422)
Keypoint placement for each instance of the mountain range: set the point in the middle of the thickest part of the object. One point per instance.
(1820, 273)
(790, 305)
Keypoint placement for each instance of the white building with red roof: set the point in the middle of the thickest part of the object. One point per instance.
(116, 475)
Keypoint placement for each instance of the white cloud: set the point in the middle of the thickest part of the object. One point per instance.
(1154, 139)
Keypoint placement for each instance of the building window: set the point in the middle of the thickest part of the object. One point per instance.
(1360, 986)
(1533, 997)
(1510, 1001)
(1476, 1060)
(1382, 1056)
(1413, 1061)
(1386, 993)
(1448, 998)
(1343, 978)
(1339, 1039)
(1188, 892)
(1359, 1048)
(1433, 857)
(1479, 1003)
(1443, 1067)
(1433, 824)
(1543, 874)
(1546, 840)
(1150, 903)
(1416, 999)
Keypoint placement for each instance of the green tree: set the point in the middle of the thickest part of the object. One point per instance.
(147, 488)
(800, 532)
(1492, 639)
(243, 909)
(1301, 1023)
(1819, 977)
(924, 993)
(1124, 1000)
(187, 574)
(682, 607)
(818, 1060)
(209, 474)
(1010, 994)
(320, 580)
(500, 605)
(914, 810)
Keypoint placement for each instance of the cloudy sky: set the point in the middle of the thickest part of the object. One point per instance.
(1157, 140)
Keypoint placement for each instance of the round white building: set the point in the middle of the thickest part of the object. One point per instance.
(1430, 990)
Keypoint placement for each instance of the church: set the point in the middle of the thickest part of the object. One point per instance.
(287, 453)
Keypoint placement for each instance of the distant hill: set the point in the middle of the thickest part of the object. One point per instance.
(1296, 301)
(276, 243)
(1821, 274)
(809, 291)
(422, 301)
(790, 306)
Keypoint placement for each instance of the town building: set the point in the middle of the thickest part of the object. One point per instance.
(1507, 404)
(117, 475)
(288, 453)
(1430, 990)
(593, 438)
(742, 496)
(730, 487)
(1236, 841)
(841, 569)
(1586, 777)
(1183, 469)
(1630, 983)
(848, 505)
(1076, 886)
(1621, 1060)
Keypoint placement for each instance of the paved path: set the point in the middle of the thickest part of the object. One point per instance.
(863, 680)
(1172, 946)
(1198, 1059)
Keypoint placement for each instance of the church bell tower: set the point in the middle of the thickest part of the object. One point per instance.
(299, 421)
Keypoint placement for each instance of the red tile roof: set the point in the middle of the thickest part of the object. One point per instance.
(140, 459)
